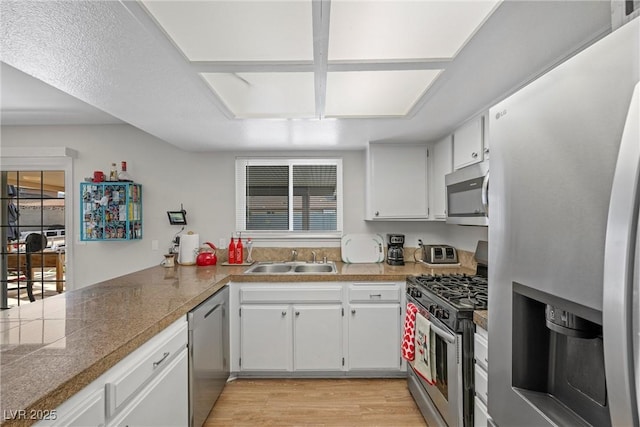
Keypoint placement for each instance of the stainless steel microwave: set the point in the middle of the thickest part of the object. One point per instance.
(468, 195)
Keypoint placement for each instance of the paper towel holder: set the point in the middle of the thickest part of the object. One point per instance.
(177, 217)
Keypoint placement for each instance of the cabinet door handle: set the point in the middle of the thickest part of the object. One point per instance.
(474, 155)
(164, 356)
(297, 313)
(284, 313)
(377, 213)
(353, 311)
(486, 150)
(375, 295)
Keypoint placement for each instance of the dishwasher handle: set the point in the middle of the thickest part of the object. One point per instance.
(212, 310)
(209, 307)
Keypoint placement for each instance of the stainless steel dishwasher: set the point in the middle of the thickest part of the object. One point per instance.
(208, 355)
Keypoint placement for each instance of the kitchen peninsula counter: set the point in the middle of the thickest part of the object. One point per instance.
(50, 349)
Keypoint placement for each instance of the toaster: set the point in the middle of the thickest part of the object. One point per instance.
(439, 254)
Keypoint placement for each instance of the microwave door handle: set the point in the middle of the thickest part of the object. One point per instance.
(621, 243)
(485, 194)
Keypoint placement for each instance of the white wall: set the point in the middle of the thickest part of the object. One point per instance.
(203, 182)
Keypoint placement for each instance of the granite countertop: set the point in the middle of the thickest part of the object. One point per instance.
(50, 349)
(481, 318)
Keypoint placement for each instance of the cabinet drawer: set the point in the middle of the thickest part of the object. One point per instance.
(290, 294)
(480, 414)
(373, 293)
(164, 401)
(481, 349)
(481, 383)
(139, 367)
(83, 409)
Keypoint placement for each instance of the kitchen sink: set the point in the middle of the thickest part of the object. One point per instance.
(270, 268)
(292, 268)
(315, 268)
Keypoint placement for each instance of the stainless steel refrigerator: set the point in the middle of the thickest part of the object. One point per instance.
(564, 249)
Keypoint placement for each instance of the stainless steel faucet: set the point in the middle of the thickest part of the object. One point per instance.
(313, 256)
(294, 254)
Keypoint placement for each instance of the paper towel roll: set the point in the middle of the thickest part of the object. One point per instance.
(189, 246)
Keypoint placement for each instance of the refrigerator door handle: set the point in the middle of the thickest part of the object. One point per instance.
(618, 283)
(485, 194)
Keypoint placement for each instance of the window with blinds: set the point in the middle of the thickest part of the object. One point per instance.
(289, 195)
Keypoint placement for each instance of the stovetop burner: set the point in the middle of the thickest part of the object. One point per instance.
(462, 291)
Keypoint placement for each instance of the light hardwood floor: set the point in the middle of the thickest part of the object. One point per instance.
(315, 402)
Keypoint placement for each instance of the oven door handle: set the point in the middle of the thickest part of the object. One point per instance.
(437, 327)
(445, 335)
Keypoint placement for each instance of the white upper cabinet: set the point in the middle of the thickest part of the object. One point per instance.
(441, 162)
(468, 143)
(397, 187)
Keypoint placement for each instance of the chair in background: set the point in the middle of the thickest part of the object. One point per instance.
(34, 242)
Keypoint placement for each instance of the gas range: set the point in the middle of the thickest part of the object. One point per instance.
(450, 297)
(447, 302)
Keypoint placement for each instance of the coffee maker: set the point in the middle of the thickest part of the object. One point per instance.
(395, 251)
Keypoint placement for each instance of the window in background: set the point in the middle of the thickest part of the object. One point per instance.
(289, 196)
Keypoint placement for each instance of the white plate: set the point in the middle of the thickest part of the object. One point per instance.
(362, 248)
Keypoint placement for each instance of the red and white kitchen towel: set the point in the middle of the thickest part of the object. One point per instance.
(408, 338)
(418, 337)
(423, 359)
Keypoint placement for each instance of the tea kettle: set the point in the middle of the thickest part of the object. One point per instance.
(206, 256)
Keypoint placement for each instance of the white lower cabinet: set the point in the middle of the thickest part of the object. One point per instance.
(317, 337)
(149, 387)
(481, 377)
(290, 328)
(337, 328)
(374, 319)
(266, 337)
(162, 402)
(374, 336)
(86, 408)
(481, 414)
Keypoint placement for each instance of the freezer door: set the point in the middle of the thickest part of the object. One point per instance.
(554, 148)
(620, 293)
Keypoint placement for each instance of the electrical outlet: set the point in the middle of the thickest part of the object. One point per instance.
(154, 245)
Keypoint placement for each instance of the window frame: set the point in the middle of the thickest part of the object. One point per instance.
(48, 158)
(241, 198)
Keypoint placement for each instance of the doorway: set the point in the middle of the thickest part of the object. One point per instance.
(33, 229)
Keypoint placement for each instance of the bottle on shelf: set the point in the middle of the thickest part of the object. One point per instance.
(239, 249)
(113, 175)
(123, 175)
(232, 251)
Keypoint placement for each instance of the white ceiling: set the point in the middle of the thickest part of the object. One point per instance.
(83, 62)
(377, 44)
